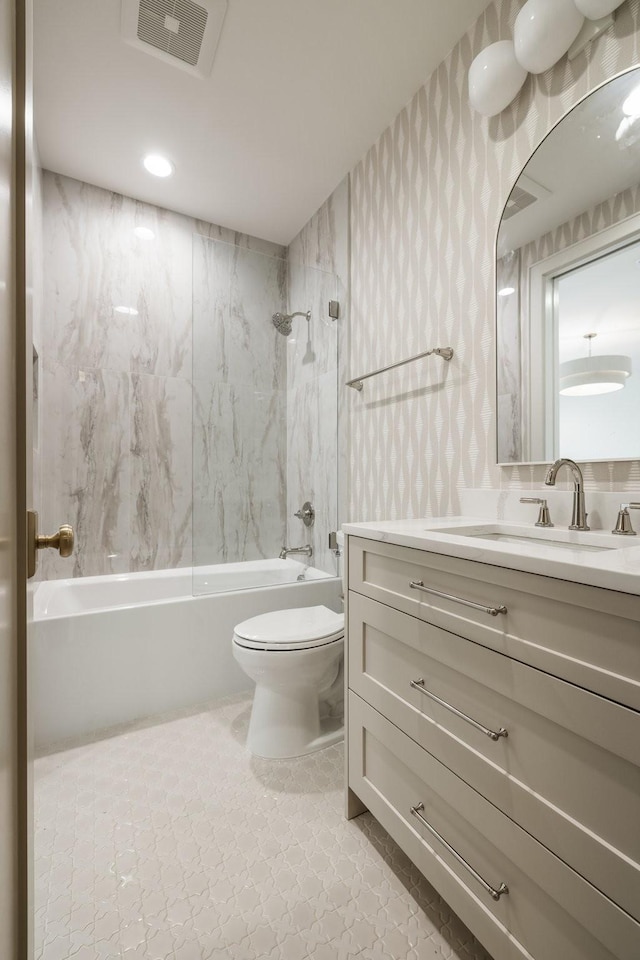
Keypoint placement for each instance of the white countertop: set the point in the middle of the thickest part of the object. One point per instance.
(611, 562)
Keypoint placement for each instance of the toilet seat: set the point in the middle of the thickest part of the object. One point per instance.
(301, 628)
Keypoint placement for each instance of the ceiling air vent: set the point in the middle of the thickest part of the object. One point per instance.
(180, 32)
(526, 192)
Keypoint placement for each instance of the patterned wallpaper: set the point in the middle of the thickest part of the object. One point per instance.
(425, 205)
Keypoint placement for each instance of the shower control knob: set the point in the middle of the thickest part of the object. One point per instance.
(306, 513)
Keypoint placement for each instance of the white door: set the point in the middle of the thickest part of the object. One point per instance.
(13, 852)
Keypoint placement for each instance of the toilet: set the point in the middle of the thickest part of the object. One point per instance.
(295, 657)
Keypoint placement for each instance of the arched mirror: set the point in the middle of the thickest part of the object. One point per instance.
(568, 288)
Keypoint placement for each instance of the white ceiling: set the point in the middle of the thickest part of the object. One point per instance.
(299, 91)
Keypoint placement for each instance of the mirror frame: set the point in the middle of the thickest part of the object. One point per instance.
(534, 463)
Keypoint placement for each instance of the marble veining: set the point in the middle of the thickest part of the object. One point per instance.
(115, 410)
(161, 472)
(239, 472)
(235, 293)
(85, 463)
(318, 269)
(177, 425)
(239, 450)
(312, 463)
(508, 371)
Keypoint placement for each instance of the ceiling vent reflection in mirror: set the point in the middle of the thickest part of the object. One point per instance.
(525, 192)
(183, 33)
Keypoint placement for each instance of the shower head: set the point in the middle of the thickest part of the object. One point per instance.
(283, 321)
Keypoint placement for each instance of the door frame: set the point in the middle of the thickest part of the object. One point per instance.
(23, 160)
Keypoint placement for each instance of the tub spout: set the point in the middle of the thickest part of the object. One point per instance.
(307, 550)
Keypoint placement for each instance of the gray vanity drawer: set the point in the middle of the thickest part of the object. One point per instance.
(569, 769)
(550, 910)
(551, 624)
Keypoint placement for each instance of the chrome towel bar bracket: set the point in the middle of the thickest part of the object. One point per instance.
(494, 893)
(445, 352)
(492, 611)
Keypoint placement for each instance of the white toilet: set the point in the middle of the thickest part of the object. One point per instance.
(295, 657)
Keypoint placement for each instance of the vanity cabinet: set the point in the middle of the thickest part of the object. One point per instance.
(494, 730)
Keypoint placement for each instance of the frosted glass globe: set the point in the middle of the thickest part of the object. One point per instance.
(495, 78)
(595, 9)
(543, 32)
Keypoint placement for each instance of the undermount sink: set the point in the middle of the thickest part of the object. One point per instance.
(562, 544)
(551, 537)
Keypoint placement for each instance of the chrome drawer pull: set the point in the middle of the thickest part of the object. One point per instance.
(493, 611)
(493, 893)
(419, 685)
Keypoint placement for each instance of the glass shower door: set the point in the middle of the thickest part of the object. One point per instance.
(264, 418)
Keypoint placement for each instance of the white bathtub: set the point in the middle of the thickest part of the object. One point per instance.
(108, 650)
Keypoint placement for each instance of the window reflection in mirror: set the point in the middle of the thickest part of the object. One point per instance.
(568, 267)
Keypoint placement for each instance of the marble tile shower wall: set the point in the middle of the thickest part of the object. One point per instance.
(316, 458)
(116, 391)
(425, 205)
(510, 382)
(240, 411)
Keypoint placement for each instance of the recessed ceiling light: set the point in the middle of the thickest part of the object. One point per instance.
(631, 106)
(144, 233)
(506, 291)
(158, 165)
(128, 311)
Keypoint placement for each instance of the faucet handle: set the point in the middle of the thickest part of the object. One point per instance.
(623, 524)
(544, 518)
(306, 513)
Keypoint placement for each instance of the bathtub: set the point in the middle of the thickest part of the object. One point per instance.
(109, 650)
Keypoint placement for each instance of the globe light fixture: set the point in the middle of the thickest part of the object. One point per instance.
(596, 9)
(495, 78)
(543, 32)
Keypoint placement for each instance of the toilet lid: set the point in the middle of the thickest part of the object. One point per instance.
(287, 629)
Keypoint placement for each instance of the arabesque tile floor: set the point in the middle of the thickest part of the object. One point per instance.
(168, 841)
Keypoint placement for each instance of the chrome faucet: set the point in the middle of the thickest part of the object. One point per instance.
(307, 550)
(579, 515)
